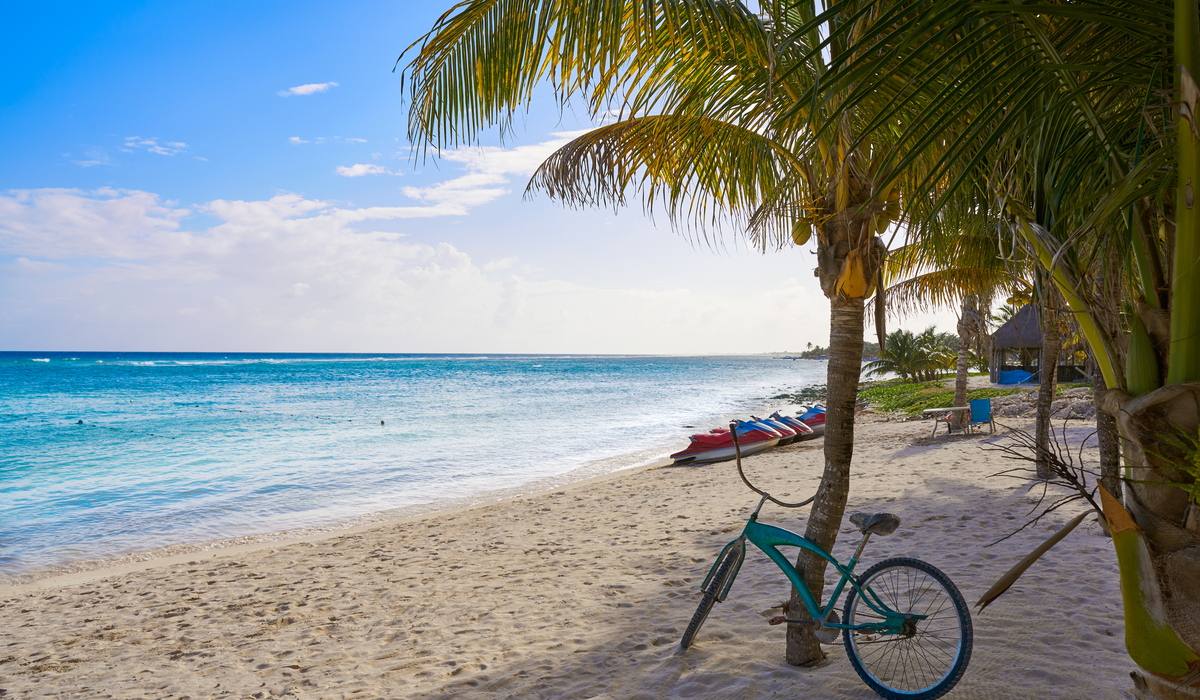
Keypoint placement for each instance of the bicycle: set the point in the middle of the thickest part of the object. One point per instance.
(907, 629)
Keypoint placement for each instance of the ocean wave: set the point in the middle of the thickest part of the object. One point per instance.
(40, 359)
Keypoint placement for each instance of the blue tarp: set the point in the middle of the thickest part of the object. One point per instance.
(1017, 376)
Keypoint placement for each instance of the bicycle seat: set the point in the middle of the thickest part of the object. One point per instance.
(876, 523)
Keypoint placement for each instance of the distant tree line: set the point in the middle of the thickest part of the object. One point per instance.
(816, 352)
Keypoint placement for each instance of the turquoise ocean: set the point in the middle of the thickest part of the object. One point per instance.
(106, 454)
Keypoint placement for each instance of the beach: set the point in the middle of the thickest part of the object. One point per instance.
(578, 592)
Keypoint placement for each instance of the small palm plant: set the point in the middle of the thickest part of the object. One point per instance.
(905, 355)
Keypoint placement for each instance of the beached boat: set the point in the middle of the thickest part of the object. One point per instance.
(717, 446)
(803, 432)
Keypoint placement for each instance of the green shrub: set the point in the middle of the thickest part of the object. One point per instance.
(912, 399)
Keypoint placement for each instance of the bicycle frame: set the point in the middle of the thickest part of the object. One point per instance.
(768, 537)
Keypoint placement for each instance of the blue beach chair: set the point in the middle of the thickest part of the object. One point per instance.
(981, 413)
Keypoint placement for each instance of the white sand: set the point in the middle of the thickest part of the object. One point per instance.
(578, 593)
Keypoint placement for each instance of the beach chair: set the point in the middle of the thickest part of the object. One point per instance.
(981, 413)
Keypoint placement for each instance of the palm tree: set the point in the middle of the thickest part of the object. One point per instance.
(905, 355)
(1047, 372)
(1061, 111)
(968, 268)
(972, 328)
(1004, 314)
(710, 127)
(938, 351)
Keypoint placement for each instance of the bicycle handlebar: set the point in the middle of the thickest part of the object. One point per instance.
(737, 451)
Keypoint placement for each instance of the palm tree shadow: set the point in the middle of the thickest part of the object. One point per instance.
(633, 652)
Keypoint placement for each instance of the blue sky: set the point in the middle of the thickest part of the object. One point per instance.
(235, 176)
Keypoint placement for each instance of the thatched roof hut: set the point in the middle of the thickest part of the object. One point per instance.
(1020, 340)
(1023, 330)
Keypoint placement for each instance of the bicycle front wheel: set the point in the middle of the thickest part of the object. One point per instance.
(930, 657)
(711, 591)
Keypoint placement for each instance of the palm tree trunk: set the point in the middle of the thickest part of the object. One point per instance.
(1048, 369)
(1109, 439)
(964, 361)
(845, 362)
(1166, 531)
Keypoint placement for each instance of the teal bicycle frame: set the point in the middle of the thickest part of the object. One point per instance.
(768, 538)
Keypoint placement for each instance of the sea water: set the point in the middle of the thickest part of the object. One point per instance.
(102, 454)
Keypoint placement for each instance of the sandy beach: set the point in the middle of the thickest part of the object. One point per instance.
(580, 592)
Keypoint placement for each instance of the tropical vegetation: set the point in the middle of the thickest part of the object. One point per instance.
(915, 357)
(1052, 141)
(1071, 128)
(911, 398)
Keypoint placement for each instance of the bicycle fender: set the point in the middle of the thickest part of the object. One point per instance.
(717, 563)
(736, 548)
(740, 553)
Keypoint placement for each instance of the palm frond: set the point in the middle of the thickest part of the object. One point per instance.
(701, 170)
(946, 288)
(483, 59)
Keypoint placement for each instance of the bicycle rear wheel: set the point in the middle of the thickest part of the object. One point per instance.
(711, 591)
(926, 661)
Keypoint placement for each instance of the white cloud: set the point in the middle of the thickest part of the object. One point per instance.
(501, 264)
(488, 170)
(25, 266)
(65, 223)
(360, 169)
(297, 140)
(115, 267)
(108, 268)
(350, 140)
(309, 89)
(169, 148)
